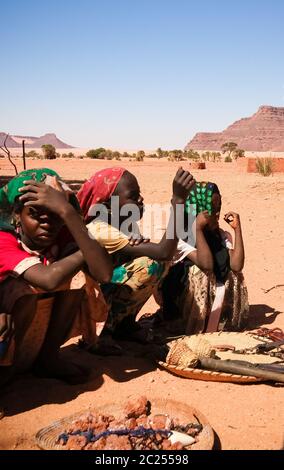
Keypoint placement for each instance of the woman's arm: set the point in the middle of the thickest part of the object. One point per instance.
(98, 261)
(54, 275)
(96, 257)
(237, 255)
(202, 256)
(165, 249)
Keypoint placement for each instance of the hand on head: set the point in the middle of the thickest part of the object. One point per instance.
(41, 194)
(182, 184)
(202, 219)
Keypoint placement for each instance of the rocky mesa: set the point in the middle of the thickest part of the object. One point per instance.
(263, 131)
(15, 141)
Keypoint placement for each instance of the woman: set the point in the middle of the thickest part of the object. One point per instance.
(43, 244)
(139, 266)
(213, 294)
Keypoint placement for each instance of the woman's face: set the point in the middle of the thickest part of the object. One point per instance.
(39, 227)
(216, 209)
(128, 191)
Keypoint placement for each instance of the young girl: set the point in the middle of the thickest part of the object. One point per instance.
(213, 294)
(138, 267)
(43, 243)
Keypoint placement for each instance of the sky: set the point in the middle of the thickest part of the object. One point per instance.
(130, 74)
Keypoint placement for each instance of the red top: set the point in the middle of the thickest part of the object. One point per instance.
(16, 258)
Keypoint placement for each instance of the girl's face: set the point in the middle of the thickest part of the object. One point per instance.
(128, 191)
(216, 209)
(39, 227)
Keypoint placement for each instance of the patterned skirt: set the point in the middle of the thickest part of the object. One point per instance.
(198, 303)
(131, 286)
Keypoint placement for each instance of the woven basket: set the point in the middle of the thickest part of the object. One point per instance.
(238, 340)
(47, 437)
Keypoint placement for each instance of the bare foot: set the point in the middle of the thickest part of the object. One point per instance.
(62, 370)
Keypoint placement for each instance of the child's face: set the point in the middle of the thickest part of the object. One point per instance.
(39, 227)
(128, 191)
(216, 209)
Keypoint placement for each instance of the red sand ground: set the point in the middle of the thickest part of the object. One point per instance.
(243, 416)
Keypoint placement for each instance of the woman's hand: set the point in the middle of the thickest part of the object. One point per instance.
(135, 240)
(6, 327)
(182, 183)
(202, 220)
(40, 194)
(233, 219)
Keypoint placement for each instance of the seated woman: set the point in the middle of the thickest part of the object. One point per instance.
(210, 292)
(138, 267)
(43, 244)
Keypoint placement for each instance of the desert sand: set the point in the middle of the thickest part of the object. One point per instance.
(243, 416)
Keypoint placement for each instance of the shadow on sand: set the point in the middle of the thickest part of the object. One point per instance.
(261, 315)
(27, 392)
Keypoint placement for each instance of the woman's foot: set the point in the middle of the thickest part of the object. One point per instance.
(106, 346)
(62, 370)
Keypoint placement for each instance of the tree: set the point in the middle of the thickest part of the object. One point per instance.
(229, 147)
(140, 156)
(192, 155)
(49, 151)
(238, 153)
(116, 155)
(95, 153)
(33, 154)
(5, 149)
(159, 152)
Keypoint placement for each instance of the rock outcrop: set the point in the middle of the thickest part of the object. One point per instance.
(264, 131)
(15, 141)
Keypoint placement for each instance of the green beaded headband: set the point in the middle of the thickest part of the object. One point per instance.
(200, 198)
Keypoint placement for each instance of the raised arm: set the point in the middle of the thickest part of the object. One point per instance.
(165, 249)
(202, 256)
(237, 255)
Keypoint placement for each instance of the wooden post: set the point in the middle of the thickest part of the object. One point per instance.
(24, 155)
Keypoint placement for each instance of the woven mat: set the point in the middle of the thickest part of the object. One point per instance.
(47, 437)
(239, 341)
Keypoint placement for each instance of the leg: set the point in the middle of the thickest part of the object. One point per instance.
(19, 301)
(66, 307)
(132, 285)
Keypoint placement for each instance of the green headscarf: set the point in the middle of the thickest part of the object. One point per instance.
(10, 192)
(200, 197)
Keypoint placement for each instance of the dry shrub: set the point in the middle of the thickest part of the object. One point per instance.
(265, 166)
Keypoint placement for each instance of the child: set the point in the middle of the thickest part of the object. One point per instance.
(40, 233)
(139, 267)
(213, 295)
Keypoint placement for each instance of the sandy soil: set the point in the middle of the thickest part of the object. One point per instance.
(243, 416)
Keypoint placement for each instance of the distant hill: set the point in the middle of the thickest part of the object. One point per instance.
(15, 141)
(263, 131)
(10, 142)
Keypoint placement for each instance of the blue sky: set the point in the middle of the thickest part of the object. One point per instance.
(137, 74)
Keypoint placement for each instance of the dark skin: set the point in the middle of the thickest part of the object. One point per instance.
(45, 211)
(202, 257)
(128, 191)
